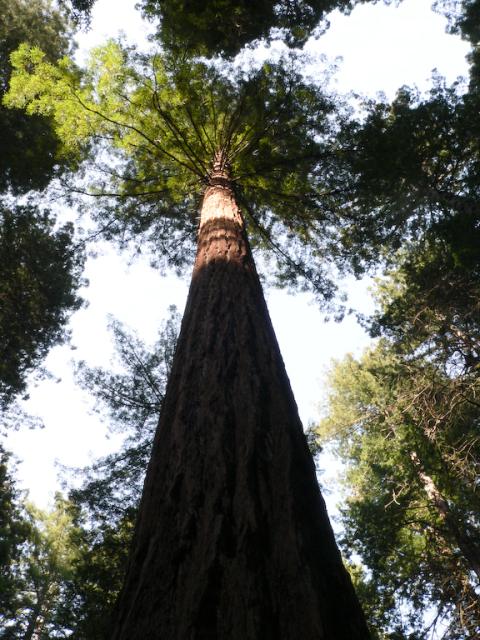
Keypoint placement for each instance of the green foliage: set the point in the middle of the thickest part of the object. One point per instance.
(44, 567)
(406, 430)
(98, 577)
(464, 19)
(13, 533)
(415, 165)
(163, 121)
(129, 401)
(431, 306)
(106, 503)
(405, 419)
(29, 145)
(39, 273)
(80, 10)
(224, 27)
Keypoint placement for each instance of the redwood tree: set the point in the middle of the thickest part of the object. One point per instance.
(233, 539)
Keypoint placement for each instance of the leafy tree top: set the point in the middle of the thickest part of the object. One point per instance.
(402, 427)
(464, 19)
(224, 27)
(13, 533)
(413, 166)
(430, 303)
(40, 270)
(28, 159)
(130, 400)
(163, 123)
(35, 22)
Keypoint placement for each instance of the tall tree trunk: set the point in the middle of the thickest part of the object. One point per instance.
(32, 622)
(233, 541)
(468, 548)
(35, 620)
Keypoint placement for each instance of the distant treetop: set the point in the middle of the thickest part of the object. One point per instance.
(224, 27)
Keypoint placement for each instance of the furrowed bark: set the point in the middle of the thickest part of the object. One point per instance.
(233, 541)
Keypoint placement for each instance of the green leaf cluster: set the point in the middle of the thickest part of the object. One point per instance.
(430, 306)
(162, 122)
(39, 273)
(43, 568)
(405, 418)
(464, 19)
(407, 430)
(29, 145)
(224, 27)
(414, 164)
(13, 534)
(106, 503)
(39, 265)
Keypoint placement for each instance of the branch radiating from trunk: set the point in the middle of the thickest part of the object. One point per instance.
(233, 541)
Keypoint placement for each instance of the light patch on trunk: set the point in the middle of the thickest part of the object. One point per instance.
(219, 202)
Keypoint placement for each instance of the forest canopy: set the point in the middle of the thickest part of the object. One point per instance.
(40, 266)
(324, 190)
(165, 120)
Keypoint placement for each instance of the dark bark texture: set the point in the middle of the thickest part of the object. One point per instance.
(233, 541)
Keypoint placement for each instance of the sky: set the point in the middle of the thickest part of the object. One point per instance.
(381, 48)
